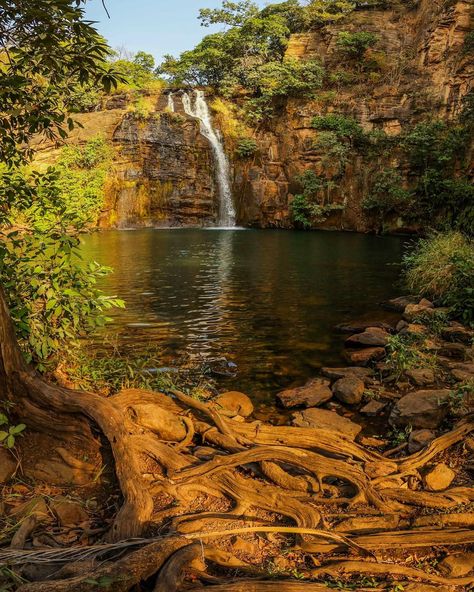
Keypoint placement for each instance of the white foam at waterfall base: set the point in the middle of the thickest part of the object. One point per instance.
(200, 111)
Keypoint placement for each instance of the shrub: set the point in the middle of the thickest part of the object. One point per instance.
(441, 267)
(388, 197)
(51, 292)
(313, 204)
(355, 44)
(246, 147)
(342, 126)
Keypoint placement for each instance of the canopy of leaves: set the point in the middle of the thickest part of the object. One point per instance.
(49, 49)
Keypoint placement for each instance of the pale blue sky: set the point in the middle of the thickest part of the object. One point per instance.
(155, 26)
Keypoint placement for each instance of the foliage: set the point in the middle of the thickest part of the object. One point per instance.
(248, 53)
(441, 267)
(52, 294)
(343, 127)
(321, 12)
(52, 49)
(313, 204)
(355, 44)
(408, 351)
(246, 147)
(9, 433)
(287, 78)
(388, 197)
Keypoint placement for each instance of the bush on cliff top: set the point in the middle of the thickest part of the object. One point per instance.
(441, 267)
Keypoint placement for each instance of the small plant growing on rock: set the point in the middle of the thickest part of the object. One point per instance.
(407, 352)
(356, 44)
(246, 147)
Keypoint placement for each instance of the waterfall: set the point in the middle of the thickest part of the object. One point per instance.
(200, 111)
(170, 102)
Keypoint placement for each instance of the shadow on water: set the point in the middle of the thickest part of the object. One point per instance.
(265, 300)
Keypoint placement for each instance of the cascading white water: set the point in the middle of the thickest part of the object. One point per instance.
(200, 111)
(170, 103)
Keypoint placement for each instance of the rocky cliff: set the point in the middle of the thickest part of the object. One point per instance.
(424, 73)
(163, 167)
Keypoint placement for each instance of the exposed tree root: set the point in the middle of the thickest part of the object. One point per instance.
(278, 487)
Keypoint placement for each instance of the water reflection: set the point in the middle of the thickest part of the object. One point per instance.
(267, 300)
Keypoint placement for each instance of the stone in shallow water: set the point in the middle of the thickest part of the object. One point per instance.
(336, 373)
(360, 327)
(315, 392)
(349, 390)
(326, 420)
(398, 304)
(421, 409)
(362, 357)
(372, 336)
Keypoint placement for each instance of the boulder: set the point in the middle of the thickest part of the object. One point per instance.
(412, 311)
(439, 478)
(360, 327)
(7, 465)
(421, 376)
(336, 373)
(363, 357)
(372, 336)
(315, 392)
(68, 512)
(420, 439)
(244, 546)
(458, 333)
(326, 420)
(398, 304)
(457, 566)
(421, 409)
(233, 403)
(413, 329)
(456, 351)
(349, 390)
(373, 407)
(463, 372)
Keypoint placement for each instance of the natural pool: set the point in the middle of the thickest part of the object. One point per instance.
(266, 300)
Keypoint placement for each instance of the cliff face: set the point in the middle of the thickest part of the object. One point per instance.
(424, 72)
(163, 172)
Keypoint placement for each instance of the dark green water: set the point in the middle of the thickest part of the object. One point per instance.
(265, 300)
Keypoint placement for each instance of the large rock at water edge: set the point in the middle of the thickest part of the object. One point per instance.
(326, 420)
(336, 373)
(315, 392)
(421, 409)
(372, 336)
(363, 357)
(234, 403)
(349, 390)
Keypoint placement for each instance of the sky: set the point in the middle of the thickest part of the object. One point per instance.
(155, 26)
